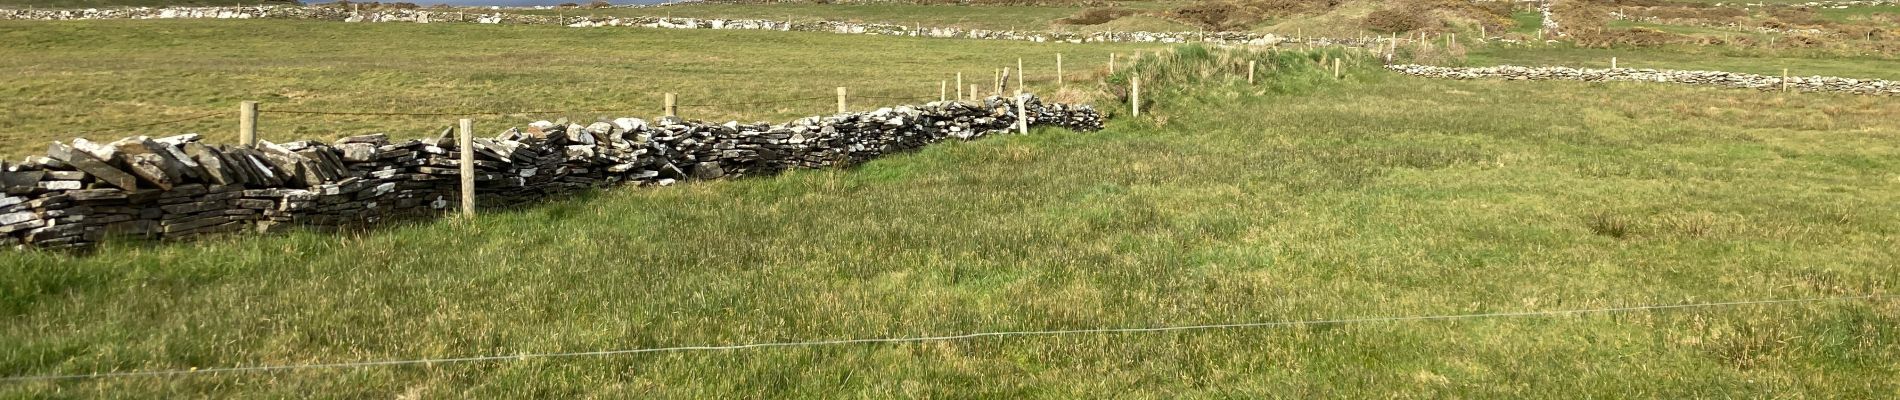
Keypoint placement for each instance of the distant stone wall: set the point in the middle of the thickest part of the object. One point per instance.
(1825, 4)
(500, 17)
(178, 187)
(1710, 78)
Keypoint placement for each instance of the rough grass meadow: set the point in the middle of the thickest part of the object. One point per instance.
(1300, 197)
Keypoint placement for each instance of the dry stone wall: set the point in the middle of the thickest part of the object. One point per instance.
(179, 187)
(500, 17)
(1710, 78)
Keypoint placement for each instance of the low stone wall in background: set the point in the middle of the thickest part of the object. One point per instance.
(178, 187)
(502, 17)
(1710, 78)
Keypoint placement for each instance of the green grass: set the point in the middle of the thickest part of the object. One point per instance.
(1528, 22)
(1296, 199)
(1857, 14)
(58, 85)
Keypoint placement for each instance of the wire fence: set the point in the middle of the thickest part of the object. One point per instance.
(445, 113)
(759, 102)
(148, 125)
(921, 339)
(475, 113)
(997, 84)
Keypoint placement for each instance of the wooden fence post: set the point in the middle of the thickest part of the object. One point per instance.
(1784, 80)
(959, 86)
(841, 107)
(943, 90)
(997, 83)
(1612, 62)
(1134, 83)
(1336, 74)
(672, 106)
(247, 123)
(973, 92)
(1250, 69)
(1022, 115)
(465, 142)
(1111, 63)
(1060, 84)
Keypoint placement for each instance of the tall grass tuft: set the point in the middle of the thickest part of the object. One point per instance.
(1197, 74)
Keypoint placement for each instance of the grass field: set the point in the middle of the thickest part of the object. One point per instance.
(1297, 199)
(58, 86)
(1033, 18)
(977, 17)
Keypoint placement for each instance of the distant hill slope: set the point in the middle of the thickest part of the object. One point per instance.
(130, 3)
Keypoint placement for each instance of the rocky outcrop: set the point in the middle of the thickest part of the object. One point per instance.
(179, 187)
(1710, 78)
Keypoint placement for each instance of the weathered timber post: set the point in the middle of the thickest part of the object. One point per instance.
(1134, 92)
(1250, 69)
(841, 107)
(1111, 63)
(943, 90)
(672, 106)
(1060, 84)
(247, 123)
(997, 83)
(959, 86)
(1022, 115)
(465, 142)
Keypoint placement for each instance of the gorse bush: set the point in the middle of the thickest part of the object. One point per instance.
(1391, 20)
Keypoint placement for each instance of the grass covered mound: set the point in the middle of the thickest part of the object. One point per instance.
(1297, 198)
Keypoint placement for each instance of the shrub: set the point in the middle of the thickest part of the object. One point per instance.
(1391, 20)
(1283, 8)
(1215, 15)
(1096, 16)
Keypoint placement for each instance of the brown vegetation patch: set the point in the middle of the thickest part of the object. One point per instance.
(1096, 16)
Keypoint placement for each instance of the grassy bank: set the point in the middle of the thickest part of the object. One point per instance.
(1296, 199)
